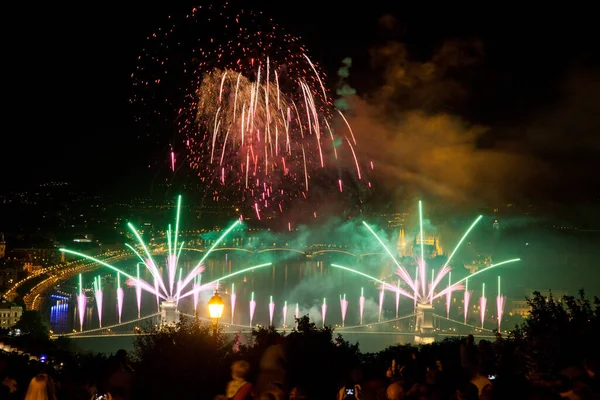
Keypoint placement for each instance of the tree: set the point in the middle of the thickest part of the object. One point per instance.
(34, 324)
(318, 362)
(558, 334)
(185, 361)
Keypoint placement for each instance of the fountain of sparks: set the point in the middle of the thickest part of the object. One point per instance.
(120, 297)
(81, 303)
(467, 299)
(482, 304)
(165, 290)
(344, 307)
(381, 294)
(324, 310)
(361, 304)
(233, 296)
(422, 296)
(98, 295)
(252, 308)
(285, 310)
(271, 310)
(297, 314)
(500, 302)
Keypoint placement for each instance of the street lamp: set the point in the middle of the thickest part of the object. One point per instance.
(215, 309)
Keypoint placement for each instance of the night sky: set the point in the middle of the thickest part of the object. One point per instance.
(532, 81)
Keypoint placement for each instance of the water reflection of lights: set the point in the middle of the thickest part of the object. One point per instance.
(59, 316)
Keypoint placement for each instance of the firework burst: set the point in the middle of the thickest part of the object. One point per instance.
(255, 120)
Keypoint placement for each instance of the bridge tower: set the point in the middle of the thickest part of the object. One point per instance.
(425, 331)
(168, 313)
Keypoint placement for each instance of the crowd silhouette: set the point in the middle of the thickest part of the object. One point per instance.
(552, 355)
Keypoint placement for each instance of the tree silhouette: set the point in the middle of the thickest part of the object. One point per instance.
(558, 334)
(189, 360)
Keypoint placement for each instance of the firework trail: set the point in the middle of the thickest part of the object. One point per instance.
(285, 309)
(81, 302)
(500, 302)
(165, 289)
(271, 310)
(361, 304)
(233, 297)
(324, 310)
(120, 297)
(467, 299)
(419, 282)
(344, 307)
(256, 119)
(482, 304)
(252, 308)
(297, 314)
(98, 295)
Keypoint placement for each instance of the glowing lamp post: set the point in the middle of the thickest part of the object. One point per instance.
(215, 309)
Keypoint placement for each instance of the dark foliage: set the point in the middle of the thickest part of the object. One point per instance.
(319, 362)
(186, 361)
(558, 334)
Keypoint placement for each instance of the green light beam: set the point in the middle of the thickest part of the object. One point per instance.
(487, 268)
(218, 241)
(136, 252)
(141, 241)
(498, 286)
(76, 253)
(463, 239)
(383, 244)
(421, 227)
(170, 247)
(229, 276)
(403, 292)
(177, 224)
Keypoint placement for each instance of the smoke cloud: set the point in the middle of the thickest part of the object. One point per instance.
(413, 127)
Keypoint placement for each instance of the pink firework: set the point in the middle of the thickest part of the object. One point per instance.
(500, 301)
(285, 310)
(120, 296)
(233, 297)
(324, 311)
(344, 307)
(257, 121)
(361, 304)
(467, 299)
(271, 310)
(81, 302)
(252, 308)
(98, 296)
(482, 305)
